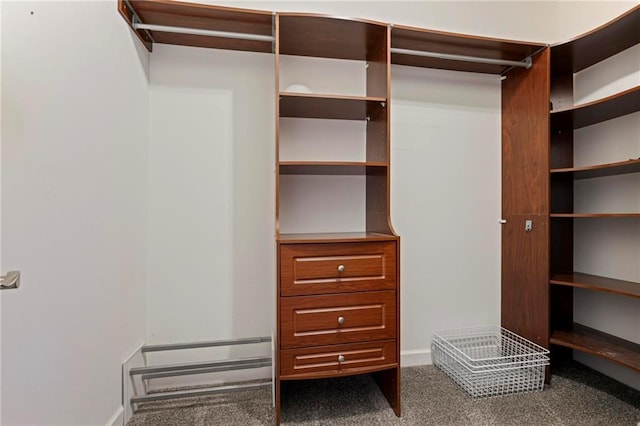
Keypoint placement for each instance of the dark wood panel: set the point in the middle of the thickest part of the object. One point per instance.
(525, 139)
(600, 43)
(316, 268)
(597, 283)
(561, 193)
(601, 170)
(212, 42)
(325, 361)
(327, 36)
(405, 37)
(339, 237)
(127, 14)
(343, 168)
(614, 106)
(597, 343)
(389, 383)
(561, 84)
(206, 17)
(327, 106)
(561, 250)
(378, 204)
(377, 69)
(315, 320)
(561, 155)
(595, 215)
(561, 306)
(525, 277)
(377, 137)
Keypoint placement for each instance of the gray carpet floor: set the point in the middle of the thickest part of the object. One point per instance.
(577, 396)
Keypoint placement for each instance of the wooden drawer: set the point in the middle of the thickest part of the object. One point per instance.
(336, 268)
(338, 359)
(339, 318)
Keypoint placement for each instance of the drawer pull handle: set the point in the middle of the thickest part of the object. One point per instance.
(340, 320)
(341, 358)
(341, 268)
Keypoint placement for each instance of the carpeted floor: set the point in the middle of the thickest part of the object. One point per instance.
(577, 396)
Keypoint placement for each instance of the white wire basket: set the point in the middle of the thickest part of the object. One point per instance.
(490, 360)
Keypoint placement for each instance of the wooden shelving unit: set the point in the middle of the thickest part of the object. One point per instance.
(599, 170)
(337, 107)
(198, 16)
(597, 283)
(338, 237)
(595, 342)
(614, 106)
(420, 39)
(332, 168)
(567, 59)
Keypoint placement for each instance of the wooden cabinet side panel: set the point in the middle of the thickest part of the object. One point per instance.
(525, 139)
(525, 277)
(525, 196)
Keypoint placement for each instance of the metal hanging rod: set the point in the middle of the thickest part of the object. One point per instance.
(213, 343)
(196, 365)
(197, 392)
(526, 63)
(209, 33)
(217, 369)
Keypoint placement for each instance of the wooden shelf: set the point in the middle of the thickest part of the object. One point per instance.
(596, 283)
(597, 343)
(614, 106)
(600, 170)
(203, 17)
(303, 105)
(325, 36)
(594, 215)
(411, 38)
(599, 44)
(332, 168)
(337, 237)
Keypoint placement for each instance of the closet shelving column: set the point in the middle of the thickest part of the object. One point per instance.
(566, 117)
(338, 292)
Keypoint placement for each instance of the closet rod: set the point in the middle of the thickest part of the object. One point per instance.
(526, 63)
(197, 392)
(196, 31)
(178, 346)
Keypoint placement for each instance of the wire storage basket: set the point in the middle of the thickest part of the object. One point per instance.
(490, 360)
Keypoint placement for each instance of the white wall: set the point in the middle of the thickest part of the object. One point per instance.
(578, 17)
(446, 200)
(511, 19)
(211, 265)
(74, 134)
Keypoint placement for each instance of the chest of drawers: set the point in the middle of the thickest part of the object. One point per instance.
(338, 311)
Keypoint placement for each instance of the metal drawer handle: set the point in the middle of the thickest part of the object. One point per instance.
(341, 268)
(341, 358)
(10, 281)
(341, 320)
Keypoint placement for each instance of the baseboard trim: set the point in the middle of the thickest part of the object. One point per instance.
(117, 419)
(128, 383)
(415, 357)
